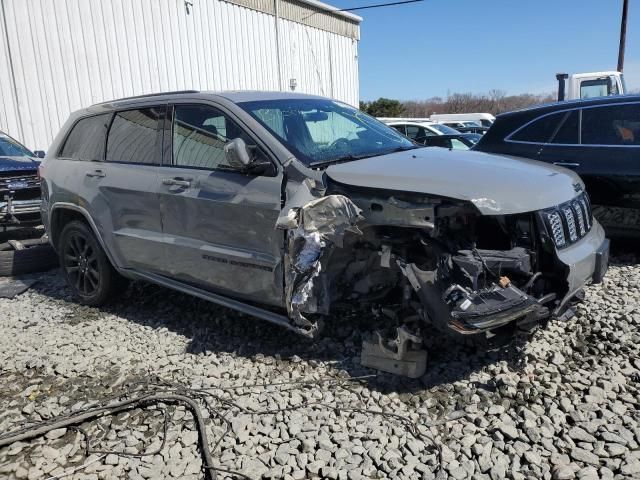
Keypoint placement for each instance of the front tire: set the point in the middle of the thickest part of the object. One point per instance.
(85, 266)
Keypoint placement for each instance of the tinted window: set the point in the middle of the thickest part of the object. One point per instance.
(540, 130)
(399, 128)
(568, 133)
(86, 139)
(200, 133)
(134, 136)
(611, 125)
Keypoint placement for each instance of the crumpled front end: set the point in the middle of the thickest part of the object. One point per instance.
(427, 263)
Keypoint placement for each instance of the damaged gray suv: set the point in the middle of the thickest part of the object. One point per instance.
(292, 207)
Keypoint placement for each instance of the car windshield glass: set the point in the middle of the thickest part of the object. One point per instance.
(444, 129)
(320, 131)
(10, 148)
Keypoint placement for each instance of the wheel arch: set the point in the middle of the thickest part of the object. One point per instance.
(62, 213)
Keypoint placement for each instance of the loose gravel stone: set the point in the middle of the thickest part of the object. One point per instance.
(560, 404)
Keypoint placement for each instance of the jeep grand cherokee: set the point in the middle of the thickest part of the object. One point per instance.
(292, 207)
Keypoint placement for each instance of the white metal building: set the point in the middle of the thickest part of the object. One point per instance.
(57, 56)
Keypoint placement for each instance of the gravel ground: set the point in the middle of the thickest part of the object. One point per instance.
(562, 404)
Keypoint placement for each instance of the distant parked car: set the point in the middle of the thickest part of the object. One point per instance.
(418, 131)
(482, 119)
(454, 142)
(467, 127)
(598, 138)
(19, 185)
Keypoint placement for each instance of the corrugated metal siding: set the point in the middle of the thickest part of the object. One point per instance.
(306, 14)
(69, 54)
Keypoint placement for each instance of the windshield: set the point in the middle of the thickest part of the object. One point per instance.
(444, 129)
(322, 131)
(10, 148)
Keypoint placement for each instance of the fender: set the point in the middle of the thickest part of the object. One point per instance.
(88, 218)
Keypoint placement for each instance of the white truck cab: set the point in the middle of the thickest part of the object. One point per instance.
(589, 85)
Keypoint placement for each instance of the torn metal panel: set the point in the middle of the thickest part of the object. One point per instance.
(312, 228)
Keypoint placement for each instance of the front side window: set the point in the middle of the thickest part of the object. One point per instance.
(200, 133)
(320, 131)
(540, 130)
(399, 128)
(86, 139)
(611, 125)
(444, 129)
(134, 136)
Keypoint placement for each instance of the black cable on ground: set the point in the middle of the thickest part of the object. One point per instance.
(173, 392)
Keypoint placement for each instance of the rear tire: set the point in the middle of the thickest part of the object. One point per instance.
(85, 266)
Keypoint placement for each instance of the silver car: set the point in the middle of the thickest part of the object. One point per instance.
(293, 207)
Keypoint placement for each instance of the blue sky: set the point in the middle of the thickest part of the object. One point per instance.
(420, 50)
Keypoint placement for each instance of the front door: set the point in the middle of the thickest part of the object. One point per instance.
(219, 222)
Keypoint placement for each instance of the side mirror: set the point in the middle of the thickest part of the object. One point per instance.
(237, 153)
(39, 153)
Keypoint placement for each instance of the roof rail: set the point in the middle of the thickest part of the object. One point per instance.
(175, 92)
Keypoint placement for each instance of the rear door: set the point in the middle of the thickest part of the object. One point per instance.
(602, 144)
(219, 222)
(127, 206)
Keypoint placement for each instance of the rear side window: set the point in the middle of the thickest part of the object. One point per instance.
(569, 130)
(135, 136)
(540, 130)
(86, 139)
(611, 125)
(399, 128)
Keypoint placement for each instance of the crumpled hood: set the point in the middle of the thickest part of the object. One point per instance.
(495, 184)
(9, 164)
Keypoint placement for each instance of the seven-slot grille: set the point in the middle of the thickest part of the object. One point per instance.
(569, 222)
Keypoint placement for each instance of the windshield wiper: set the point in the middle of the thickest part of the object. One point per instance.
(345, 158)
(349, 158)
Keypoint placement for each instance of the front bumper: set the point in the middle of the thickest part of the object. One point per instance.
(13, 211)
(587, 261)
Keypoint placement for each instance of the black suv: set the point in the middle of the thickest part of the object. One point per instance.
(598, 138)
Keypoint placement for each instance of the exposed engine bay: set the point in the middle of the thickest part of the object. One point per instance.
(421, 262)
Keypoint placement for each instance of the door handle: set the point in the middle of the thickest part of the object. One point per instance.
(567, 164)
(178, 182)
(96, 173)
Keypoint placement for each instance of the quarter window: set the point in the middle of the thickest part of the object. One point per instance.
(611, 125)
(134, 136)
(86, 139)
(200, 133)
(540, 130)
(568, 132)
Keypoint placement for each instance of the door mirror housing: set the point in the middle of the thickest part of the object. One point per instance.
(39, 153)
(237, 153)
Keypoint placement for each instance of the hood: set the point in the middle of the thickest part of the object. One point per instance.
(10, 164)
(495, 184)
